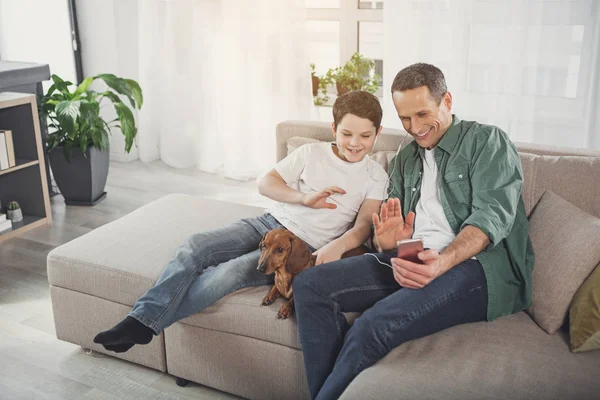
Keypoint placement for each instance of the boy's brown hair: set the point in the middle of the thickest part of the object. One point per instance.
(360, 103)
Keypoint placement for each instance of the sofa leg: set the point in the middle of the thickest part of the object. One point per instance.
(181, 382)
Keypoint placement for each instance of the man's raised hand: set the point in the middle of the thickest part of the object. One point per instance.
(390, 226)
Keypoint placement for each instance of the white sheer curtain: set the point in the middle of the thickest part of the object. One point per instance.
(530, 67)
(218, 75)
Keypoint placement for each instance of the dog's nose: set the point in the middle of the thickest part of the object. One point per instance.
(261, 268)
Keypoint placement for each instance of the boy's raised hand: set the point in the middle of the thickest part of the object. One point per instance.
(319, 199)
(391, 226)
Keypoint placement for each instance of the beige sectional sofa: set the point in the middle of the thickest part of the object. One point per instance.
(240, 347)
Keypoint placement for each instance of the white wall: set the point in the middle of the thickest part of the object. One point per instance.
(38, 31)
(108, 32)
(528, 67)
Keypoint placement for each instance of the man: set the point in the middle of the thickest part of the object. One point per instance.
(457, 186)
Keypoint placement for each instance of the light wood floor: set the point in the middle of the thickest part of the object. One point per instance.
(36, 365)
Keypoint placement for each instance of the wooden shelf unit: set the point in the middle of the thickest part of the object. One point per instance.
(20, 164)
(26, 181)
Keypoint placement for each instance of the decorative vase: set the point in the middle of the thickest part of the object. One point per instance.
(15, 215)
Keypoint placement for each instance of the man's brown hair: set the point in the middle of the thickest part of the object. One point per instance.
(360, 103)
(417, 75)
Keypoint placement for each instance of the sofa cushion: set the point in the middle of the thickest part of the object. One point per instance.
(508, 358)
(575, 179)
(297, 141)
(565, 240)
(383, 158)
(121, 260)
(584, 315)
(241, 313)
(528, 165)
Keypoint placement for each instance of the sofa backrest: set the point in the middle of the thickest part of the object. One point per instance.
(573, 174)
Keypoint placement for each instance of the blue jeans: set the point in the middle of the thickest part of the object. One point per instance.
(335, 353)
(207, 267)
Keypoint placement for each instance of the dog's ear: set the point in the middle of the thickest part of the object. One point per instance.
(299, 256)
(266, 238)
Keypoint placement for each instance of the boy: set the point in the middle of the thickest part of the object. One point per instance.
(321, 189)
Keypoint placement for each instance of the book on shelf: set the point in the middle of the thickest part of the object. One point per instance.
(7, 150)
(5, 225)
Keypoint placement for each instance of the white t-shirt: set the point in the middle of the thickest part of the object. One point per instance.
(431, 224)
(314, 167)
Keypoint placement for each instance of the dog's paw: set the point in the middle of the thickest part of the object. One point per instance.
(266, 302)
(285, 312)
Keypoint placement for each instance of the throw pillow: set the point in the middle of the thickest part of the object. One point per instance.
(584, 315)
(565, 240)
(383, 157)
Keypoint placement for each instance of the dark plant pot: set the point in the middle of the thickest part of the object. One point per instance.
(315, 84)
(82, 180)
(341, 89)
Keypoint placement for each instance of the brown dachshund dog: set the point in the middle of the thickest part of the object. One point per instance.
(286, 255)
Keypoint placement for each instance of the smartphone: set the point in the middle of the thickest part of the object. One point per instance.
(409, 250)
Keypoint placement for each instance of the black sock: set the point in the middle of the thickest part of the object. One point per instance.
(128, 331)
(119, 348)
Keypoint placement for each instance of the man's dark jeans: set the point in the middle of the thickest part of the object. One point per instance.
(335, 353)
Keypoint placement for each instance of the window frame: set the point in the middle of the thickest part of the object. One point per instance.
(349, 16)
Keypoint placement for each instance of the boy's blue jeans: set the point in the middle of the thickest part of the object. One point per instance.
(335, 353)
(207, 267)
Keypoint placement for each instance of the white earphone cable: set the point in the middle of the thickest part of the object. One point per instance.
(396, 162)
(378, 260)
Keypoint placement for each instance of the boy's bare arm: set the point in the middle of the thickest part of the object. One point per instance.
(273, 186)
(361, 230)
(353, 238)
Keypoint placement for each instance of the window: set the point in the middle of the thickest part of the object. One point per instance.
(339, 28)
(376, 5)
(324, 44)
(370, 43)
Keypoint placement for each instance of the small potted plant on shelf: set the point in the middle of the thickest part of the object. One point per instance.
(78, 138)
(319, 86)
(315, 80)
(14, 212)
(357, 74)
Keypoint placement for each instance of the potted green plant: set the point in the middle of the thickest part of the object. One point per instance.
(320, 96)
(78, 139)
(357, 74)
(14, 212)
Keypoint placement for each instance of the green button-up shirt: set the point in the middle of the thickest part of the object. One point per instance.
(480, 180)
